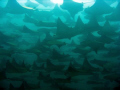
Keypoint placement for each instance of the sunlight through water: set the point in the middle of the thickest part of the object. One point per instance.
(60, 2)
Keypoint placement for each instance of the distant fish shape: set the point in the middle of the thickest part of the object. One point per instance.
(109, 30)
(92, 25)
(87, 66)
(82, 51)
(36, 67)
(52, 67)
(115, 16)
(58, 55)
(11, 87)
(29, 19)
(57, 11)
(46, 24)
(99, 62)
(38, 48)
(79, 23)
(95, 45)
(63, 31)
(29, 31)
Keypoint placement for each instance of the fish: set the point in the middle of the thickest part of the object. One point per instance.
(87, 66)
(72, 7)
(57, 55)
(79, 24)
(29, 31)
(52, 67)
(15, 63)
(105, 71)
(92, 25)
(85, 69)
(13, 26)
(94, 45)
(29, 19)
(36, 67)
(105, 39)
(108, 30)
(75, 64)
(10, 68)
(46, 24)
(63, 31)
(14, 7)
(57, 11)
(99, 18)
(38, 48)
(115, 15)
(55, 42)
(82, 51)
(60, 61)
(48, 37)
(45, 77)
(24, 42)
(99, 62)
(113, 52)
(97, 10)
(11, 87)
(72, 44)
(41, 76)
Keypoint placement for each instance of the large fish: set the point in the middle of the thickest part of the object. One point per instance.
(72, 7)
(99, 8)
(14, 7)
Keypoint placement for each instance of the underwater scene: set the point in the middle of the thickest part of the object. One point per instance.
(59, 44)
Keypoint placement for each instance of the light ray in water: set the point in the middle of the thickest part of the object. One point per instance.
(60, 2)
(84, 1)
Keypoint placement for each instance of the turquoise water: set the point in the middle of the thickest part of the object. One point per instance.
(65, 45)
